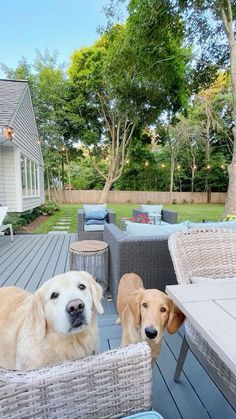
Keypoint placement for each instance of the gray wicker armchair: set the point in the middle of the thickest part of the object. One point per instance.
(92, 235)
(112, 384)
(148, 256)
(211, 253)
(166, 215)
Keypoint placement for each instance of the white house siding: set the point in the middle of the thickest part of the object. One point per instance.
(9, 187)
(26, 134)
(2, 191)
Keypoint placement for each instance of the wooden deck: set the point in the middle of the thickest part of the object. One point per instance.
(31, 259)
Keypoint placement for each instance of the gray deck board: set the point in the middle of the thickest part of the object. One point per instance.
(30, 260)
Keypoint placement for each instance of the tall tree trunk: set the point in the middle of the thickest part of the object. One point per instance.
(230, 205)
(172, 170)
(104, 194)
(48, 179)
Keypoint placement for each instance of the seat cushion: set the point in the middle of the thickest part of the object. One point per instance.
(94, 227)
(219, 224)
(138, 229)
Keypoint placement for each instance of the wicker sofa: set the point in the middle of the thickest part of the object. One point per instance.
(92, 235)
(148, 256)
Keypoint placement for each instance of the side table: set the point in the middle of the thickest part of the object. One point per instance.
(90, 256)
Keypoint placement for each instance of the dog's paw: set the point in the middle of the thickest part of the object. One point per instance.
(118, 321)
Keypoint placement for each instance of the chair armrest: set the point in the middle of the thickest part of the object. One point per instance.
(169, 216)
(80, 220)
(111, 216)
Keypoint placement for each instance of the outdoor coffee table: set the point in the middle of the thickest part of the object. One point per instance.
(90, 256)
(211, 309)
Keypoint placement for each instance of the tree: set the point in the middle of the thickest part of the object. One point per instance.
(113, 94)
(212, 25)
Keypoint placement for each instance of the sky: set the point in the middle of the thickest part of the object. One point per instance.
(62, 25)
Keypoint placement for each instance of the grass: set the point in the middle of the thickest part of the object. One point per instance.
(191, 212)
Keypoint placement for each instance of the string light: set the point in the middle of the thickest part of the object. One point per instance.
(163, 165)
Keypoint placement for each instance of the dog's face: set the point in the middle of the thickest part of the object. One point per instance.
(153, 311)
(69, 302)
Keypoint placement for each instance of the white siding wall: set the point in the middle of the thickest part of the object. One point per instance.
(8, 179)
(2, 191)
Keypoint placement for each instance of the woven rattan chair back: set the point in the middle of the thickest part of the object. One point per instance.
(207, 253)
(204, 252)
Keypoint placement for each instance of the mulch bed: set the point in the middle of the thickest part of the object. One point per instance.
(29, 228)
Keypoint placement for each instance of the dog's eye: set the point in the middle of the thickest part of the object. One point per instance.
(145, 305)
(81, 286)
(162, 309)
(54, 295)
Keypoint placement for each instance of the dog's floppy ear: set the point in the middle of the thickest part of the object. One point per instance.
(133, 304)
(36, 316)
(96, 290)
(176, 318)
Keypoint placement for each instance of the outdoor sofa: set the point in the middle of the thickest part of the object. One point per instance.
(146, 254)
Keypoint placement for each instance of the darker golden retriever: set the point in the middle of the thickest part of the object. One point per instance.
(145, 313)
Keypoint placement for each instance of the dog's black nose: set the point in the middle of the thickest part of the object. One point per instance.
(75, 307)
(150, 332)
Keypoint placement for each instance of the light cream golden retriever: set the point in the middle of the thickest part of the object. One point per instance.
(145, 313)
(55, 324)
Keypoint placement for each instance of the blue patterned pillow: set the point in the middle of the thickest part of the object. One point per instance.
(96, 215)
(91, 222)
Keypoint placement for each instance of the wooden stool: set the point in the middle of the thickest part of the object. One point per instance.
(91, 256)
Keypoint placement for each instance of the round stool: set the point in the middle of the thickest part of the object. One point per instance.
(90, 256)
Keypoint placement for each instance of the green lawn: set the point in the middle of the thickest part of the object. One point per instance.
(191, 212)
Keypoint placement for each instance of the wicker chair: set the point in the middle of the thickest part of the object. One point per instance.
(210, 253)
(108, 385)
(92, 235)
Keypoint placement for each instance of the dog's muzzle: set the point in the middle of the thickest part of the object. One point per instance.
(150, 332)
(75, 310)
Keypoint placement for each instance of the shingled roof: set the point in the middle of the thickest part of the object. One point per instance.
(11, 92)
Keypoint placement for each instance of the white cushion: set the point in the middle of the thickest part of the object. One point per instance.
(3, 212)
(151, 208)
(94, 227)
(94, 207)
(200, 279)
(138, 229)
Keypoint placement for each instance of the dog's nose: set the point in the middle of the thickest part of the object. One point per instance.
(150, 332)
(75, 307)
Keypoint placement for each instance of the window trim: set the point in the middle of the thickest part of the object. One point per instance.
(29, 187)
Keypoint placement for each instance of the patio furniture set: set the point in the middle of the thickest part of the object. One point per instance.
(119, 382)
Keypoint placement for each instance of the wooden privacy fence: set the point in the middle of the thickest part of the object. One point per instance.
(138, 197)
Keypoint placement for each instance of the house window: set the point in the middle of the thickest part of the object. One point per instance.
(29, 177)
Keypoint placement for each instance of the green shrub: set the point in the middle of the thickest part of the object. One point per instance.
(48, 208)
(15, 219)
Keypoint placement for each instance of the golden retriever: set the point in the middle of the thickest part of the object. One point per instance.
(55, 324)
(144, 313)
